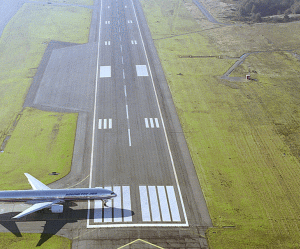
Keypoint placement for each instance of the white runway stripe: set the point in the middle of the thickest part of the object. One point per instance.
(118, 210)
(141, 70)
(102, 124)
(117, 204)
(98, 211)
(105, 71)
(164, 207)
(126, 204)
(157, 204)
(151, 123)
(154, 204)
(144, 203)
(146, 123)
(154, 123)
(107, 211)
(173, 203)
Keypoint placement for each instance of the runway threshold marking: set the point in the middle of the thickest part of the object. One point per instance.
(154, 204)
(158, 204)
(118, 210)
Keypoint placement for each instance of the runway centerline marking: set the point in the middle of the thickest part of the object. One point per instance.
(129, 137)
(127, 112)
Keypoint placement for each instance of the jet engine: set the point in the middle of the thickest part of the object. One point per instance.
(57, 208)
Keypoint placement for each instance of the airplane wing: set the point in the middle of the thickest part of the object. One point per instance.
(34, 208)
(35, 183)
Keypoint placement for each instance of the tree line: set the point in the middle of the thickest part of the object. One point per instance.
(255, 9)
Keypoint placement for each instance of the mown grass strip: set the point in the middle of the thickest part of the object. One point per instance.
(243, 137)
(41, 143)
(31, 240)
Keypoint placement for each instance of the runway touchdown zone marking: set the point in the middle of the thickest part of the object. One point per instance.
(152, 122)
(104, 124)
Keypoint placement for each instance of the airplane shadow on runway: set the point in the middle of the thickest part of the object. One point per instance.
(54, 222)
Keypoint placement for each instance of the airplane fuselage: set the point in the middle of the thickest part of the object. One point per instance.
(79, 194)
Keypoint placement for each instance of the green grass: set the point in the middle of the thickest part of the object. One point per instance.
(30, 240)
(22, 46)
(243, 137)
(41, 143)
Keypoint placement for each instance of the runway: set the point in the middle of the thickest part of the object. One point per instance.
(130, 145)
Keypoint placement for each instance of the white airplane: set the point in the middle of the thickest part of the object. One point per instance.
(44, 197)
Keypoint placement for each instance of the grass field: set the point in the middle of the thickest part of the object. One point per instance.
(28, 241)
(41, 142)
(243, 136)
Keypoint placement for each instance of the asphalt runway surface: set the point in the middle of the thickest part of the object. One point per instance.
(128, 139)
